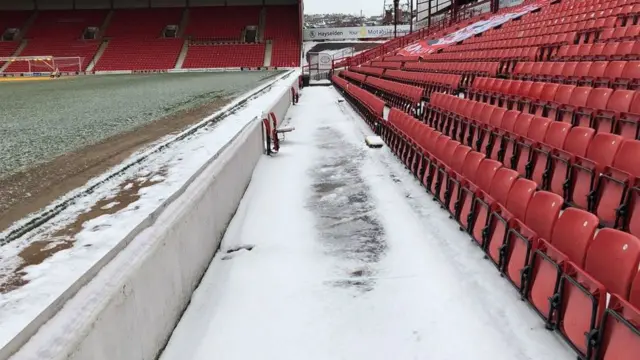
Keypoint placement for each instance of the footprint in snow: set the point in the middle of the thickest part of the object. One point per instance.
(233, 250)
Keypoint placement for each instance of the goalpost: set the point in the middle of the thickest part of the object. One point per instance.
(48, 64)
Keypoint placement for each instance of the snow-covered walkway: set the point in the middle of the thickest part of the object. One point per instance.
(337, 253)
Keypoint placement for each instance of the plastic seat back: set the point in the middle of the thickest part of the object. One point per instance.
(556, 69)
(459, 158)
(509, 120)
(486, 172)
(525, 88)
(603, 148)
(578, 140)
(582, 69)
(502, 183)
(536, 90)
(569, 69)
(623, 48)
(614, 182)
(538, 128)
(440, 145)
(597, 69)
(497, 116)
(579, 96)
(557, 133)
(631, 70)
(549, 91)
(542, 213)
(523, 123)
(598, 98)
(619, 331)
(484, 115)
(628, 158)
(610, 266)
(520, 196)
(471, 164)
(613, 259)
(546, 68)
(614, 69)
(609, 49)
(448, 151)
(573, 234)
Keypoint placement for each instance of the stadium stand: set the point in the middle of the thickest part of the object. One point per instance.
(13, 20)
(225, 56)
(59, 33)
(534, 149)
(140, 54)
(283, 29)
(142, 24)
(229, 22)
(134, 39)
(7, 48)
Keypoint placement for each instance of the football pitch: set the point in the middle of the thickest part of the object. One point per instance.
(58, 134)
(44, 119)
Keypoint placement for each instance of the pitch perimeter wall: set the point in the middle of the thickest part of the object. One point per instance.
(130, 308)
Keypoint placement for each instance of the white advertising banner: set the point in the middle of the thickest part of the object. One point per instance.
(423, 47)
(353, 33)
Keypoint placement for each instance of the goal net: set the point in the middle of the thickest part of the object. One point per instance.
(47, 63)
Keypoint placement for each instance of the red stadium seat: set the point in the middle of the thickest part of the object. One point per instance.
(539, 221)
(499, 191)
(555, 137)
(576, 144)
(632, 223)
(606, 116)
(619, 339)
(596, 99)
(535, 135)
(500, 221)
(585, 170)
(569, 241)
(615, 181)
(628, 125)
(610, 266)
(465, 194)
(480, 180)
(454, 178)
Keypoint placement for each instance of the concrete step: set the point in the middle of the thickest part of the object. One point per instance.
(98, 55)
(183, 55)
(262, 24)
(183, 22)
(105, 23)
(268, 50)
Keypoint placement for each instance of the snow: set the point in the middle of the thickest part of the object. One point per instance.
(177, 164)
(374, 141)
(350, 259)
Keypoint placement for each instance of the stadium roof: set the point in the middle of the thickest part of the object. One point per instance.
(107, 4)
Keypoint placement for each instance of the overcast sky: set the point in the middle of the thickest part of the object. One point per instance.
(369, 7)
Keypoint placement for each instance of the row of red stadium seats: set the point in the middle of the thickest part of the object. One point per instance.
(605, 110)
(497, 171)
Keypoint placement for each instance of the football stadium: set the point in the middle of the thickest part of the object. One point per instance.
(205, 179)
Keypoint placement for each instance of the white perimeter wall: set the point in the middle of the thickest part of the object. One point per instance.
(129, 310)
(138, 319)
